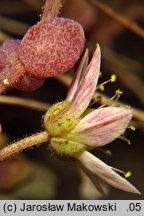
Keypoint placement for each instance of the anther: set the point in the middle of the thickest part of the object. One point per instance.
(107, 151)
(128, 107)
(101, 87)
(113, 77)
(125, 139)
(100, 74)
(131, 127)
(98, 99)
(126, 174)
(119, 93)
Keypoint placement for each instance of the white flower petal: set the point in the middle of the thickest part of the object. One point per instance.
(98, 167)
(75, 81)
(99, 184)
(102, 126)
(87, 85)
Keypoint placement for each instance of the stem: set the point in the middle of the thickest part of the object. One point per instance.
(4, 36)
(119, 18)
(20, 145)
(32, 104)
(13, 26)
(51, 9)
(138, 114)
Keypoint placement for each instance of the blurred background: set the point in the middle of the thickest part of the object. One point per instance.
(37, 173)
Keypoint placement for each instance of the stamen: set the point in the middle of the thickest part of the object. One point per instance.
(107, 151)
(128, 106)
(98, 100)
(119, 93)
(113, 77)
(126, 174)
(131, 127)
(125, 139)
(100, 74)
(101, 86)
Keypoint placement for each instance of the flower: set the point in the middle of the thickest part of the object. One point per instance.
(72, 135)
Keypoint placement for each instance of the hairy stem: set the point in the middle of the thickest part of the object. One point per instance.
(20, 145)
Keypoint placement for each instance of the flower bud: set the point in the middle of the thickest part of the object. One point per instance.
(57, 122)
(66, 147)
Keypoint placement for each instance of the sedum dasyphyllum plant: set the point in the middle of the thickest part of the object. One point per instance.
(70, 134)
(50, 47)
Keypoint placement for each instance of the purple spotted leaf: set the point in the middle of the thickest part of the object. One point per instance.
(11, 68)
(29, 83)
(51, 48)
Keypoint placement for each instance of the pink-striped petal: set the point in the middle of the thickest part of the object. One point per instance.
(75, 81)
(51, 9)
(102, 126)
(87, 85)
(105, 172)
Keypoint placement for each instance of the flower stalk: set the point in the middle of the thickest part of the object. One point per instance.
(20, 145)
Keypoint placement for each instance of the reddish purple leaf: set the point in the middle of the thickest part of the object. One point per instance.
(11, 68)
(29, 83)
(51, 48)
(10, 74)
